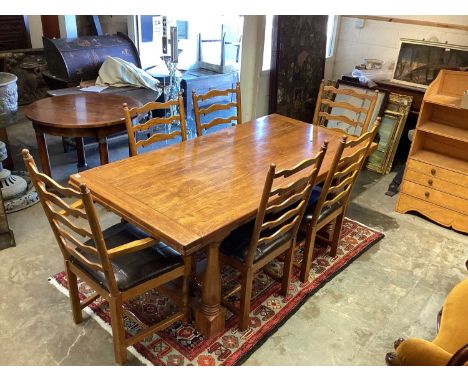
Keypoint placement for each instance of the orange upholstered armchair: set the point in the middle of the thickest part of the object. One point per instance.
(450, 347)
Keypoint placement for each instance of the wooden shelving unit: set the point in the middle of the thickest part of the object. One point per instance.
(435, 182)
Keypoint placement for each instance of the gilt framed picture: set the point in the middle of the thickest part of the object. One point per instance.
(419, 62)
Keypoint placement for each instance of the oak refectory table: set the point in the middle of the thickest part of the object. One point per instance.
(77, 116)
(191, 195)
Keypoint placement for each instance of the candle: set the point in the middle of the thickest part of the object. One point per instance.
(174, 47)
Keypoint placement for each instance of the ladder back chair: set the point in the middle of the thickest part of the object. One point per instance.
(119, 263)
(326, 101)
(273, 232)
(330, 203)
(218, 106)
(133, 129)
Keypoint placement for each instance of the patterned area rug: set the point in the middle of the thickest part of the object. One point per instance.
(182, 344)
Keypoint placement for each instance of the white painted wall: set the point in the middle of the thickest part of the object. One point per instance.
(381, 39)
(114, 24)
(35, 30)
(251, 79)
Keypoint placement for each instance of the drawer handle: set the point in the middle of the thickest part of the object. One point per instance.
(426, 194)
(430, 182)
(433, 171)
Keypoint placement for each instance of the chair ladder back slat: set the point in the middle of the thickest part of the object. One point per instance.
(217, 107)
(77, 255)
(359, 140)
(299, 167)
(157, 137)
(341, 185)
(49, 182)
(347, 91)
(283, 230)
(66, 209)
(345, 105)
(216, 93)
(155, 122)
(337, 198)
(218, 121)
(150, 106)
(341, 118)
(83, 232)
(279, 205)
(69, 237)
(284, 217)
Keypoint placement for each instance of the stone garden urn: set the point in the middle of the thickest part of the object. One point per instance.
(11, 185)
(8, 97)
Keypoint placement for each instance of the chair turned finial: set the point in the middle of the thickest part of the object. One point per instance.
(84, 189)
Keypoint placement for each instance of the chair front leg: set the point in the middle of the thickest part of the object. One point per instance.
(336, 234)
(308, 254)
(118, 331)
(246, 295)
(74, 294)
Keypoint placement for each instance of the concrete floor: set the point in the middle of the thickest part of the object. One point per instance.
(394, 290)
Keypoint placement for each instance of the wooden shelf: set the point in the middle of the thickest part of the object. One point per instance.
(441, 160)
(444, 100)
(457, 133)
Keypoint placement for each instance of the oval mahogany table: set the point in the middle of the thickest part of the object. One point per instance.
(78, 115)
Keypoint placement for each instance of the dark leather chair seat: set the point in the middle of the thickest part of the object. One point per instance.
(314, 197)
(237, 243)
(327, 211)
(134, 268)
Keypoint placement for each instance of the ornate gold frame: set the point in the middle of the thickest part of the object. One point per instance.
(398, 107)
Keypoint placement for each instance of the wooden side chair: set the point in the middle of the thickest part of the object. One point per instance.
(326, 101)
(134, 128)
(273, 233)
(329, 202)
(199, 111)
(119, 263)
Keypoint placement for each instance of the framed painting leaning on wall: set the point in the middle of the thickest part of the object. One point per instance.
(390, 129)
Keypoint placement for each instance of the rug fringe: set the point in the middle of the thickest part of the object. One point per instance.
(371, 228)
(103, 324)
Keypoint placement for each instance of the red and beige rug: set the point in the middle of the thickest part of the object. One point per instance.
(182, 344)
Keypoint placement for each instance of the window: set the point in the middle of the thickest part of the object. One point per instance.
(331, 33)
(267, 43)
